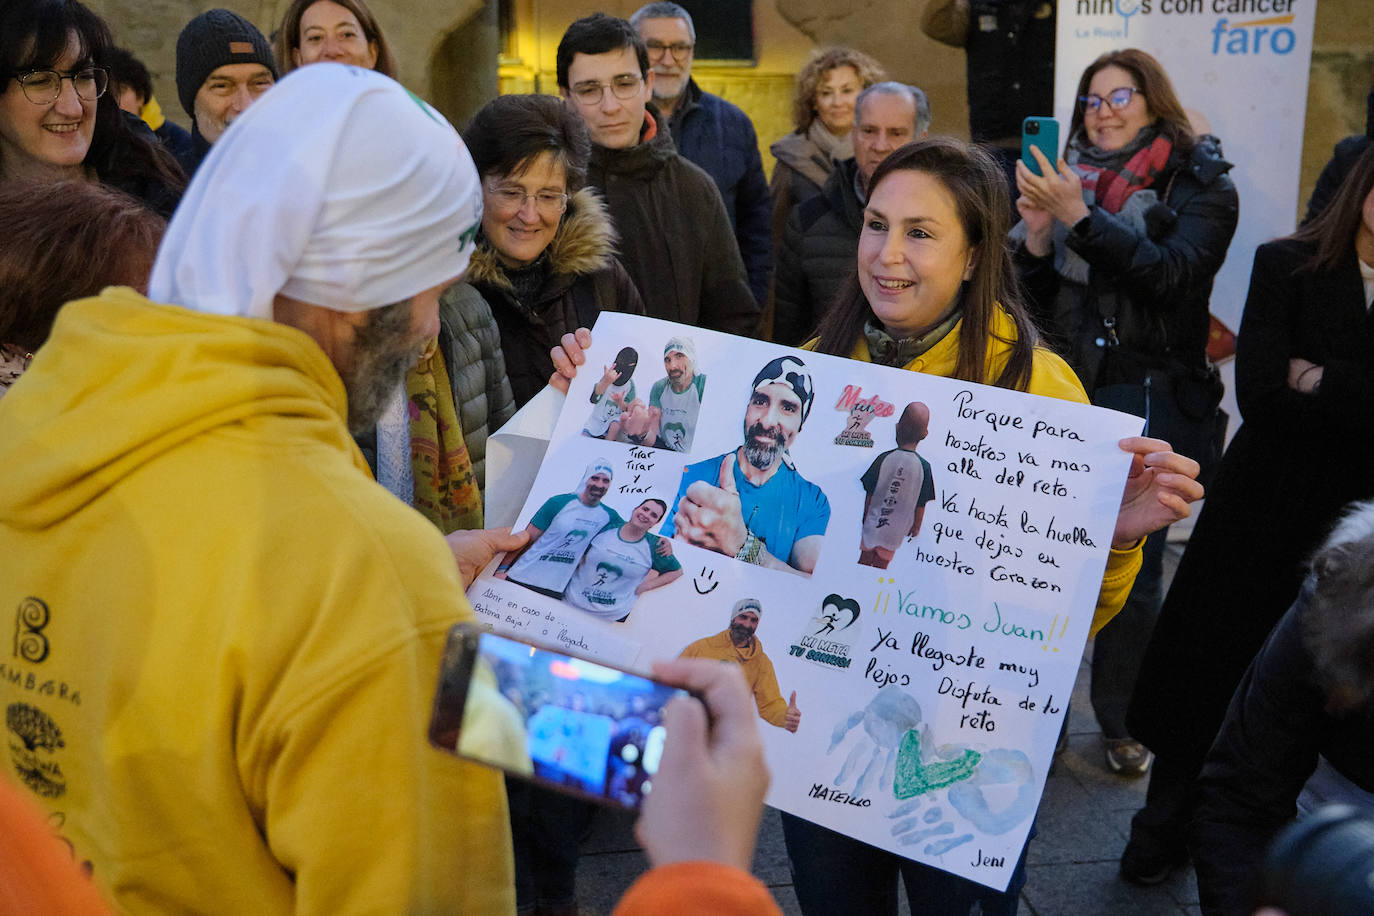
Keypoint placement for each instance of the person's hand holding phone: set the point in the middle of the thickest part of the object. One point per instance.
(1057, 189)
(708, 794)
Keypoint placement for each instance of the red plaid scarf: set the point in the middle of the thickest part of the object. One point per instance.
(1112, 182)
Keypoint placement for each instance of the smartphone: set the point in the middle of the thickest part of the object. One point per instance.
(1042, 133)
(560, 721)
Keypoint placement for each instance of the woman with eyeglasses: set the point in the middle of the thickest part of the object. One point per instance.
(344, 31)
(823, 115)
(545, 259)
(56, 119)
(1117, 248)
(545, 262)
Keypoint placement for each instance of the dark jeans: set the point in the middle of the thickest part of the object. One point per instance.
(1120, 646)
(833, 873)
(546, 828)
(1162, 825)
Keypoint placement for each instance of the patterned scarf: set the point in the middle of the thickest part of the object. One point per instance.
(886, 350)
(1112, 177)
(13, 361)
(833, 148)
(445, 488)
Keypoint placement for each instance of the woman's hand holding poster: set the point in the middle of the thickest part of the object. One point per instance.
(905, 567)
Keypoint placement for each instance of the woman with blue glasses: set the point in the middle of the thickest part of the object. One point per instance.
(1117, 248)
(56, 119)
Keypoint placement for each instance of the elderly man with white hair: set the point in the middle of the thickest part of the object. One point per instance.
(229, 635)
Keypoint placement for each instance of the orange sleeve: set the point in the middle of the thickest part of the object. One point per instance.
(37, 871)
(692, 888)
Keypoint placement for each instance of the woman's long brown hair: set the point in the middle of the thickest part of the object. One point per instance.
(979, 188)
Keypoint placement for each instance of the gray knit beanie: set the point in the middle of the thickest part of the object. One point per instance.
(210, 41)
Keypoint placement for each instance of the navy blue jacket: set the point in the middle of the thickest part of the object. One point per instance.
(720, 138)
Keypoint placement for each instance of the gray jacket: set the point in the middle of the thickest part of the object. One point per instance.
(471, 345)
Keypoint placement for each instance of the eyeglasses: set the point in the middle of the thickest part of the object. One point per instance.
(1117, 99)
(42, 87)
(680, 49)
(622, 87)
(510, 198)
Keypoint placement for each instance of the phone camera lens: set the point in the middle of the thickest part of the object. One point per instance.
(1032, 127)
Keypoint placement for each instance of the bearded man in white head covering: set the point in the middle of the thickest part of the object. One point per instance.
(560, 532)
(752, 503)
(241, 629)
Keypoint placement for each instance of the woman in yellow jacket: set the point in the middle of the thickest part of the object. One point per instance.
(935, 292)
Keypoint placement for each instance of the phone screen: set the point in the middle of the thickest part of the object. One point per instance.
(568, 723)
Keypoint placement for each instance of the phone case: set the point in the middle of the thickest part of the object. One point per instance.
(1041, 132)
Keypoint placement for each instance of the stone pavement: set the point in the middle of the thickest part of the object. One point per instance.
(1084, 821)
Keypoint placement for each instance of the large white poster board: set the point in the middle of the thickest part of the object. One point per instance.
(931, 691)
(1242, 64)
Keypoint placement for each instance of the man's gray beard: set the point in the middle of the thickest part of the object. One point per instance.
(383, 351)
(761, 456)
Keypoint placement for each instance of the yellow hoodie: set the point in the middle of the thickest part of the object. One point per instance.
(227, 637)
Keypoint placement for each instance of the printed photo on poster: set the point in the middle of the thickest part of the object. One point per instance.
(753, 503)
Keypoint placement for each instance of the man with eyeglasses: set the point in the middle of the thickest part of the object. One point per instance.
(711, 132)
(675, 236)
(821, 240)
(223, 64)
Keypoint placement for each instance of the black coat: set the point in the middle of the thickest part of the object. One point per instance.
(1010, 59)
(1277, 725)
(1293, 464)
(819, 250)
(675, 237)
(1159, 283)
(719, 137)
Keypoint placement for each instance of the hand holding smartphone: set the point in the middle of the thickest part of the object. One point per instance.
(570, 724)
(1040, 133)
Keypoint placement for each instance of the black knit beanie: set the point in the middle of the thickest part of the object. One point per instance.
(211, 40)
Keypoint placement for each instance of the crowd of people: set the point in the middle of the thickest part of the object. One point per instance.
(248, 373)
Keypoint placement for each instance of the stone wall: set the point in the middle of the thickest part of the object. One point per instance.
(420, 35)
(1338, 84)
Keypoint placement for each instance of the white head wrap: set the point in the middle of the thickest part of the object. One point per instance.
(338, 188)
(746, 604)
(599, 466)
(684, 346)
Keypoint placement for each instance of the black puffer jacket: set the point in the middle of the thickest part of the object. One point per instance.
(817, 256)
(582, 280)
(675, 236)
(1157, 284)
